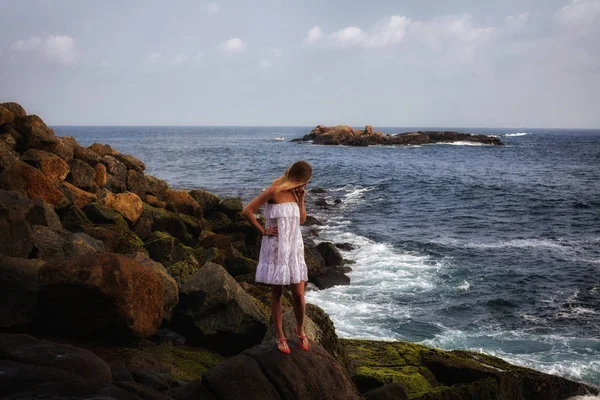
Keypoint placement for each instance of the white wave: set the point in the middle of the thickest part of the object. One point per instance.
(589, 397)
(517, 134)
(464, 286)
(463, 144)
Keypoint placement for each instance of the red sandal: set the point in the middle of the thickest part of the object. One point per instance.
(302, 337)
(282, 341)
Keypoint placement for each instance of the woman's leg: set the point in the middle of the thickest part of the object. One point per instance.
(299, 308)
(276, 292)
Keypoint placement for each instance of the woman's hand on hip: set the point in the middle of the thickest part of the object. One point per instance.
(272, 231)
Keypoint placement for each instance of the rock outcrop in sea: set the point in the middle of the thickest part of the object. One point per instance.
(346, 135)
(115, 286)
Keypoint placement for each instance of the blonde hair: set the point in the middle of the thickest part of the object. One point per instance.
(295, 175)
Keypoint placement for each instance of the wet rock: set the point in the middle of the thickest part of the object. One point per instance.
(215, 311)
(311, 221)
(102, 296)
(52, 166)
(345, 246)
(333, 276)
(314, 262)
(331, 254)
(322, 203)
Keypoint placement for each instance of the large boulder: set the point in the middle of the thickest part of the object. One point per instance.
(28, 363)
(31, 182)
(117, 173)
(101, 149)
(333, 276)
(8, 155)
(42, 213)
(116, 239)
(6, 117)
(128, 204)
(207, 200)
(431, 374)
(230, 206)
(82, 175)
(52, 166)
(263, 372)
(130, 161)
(171, 296)
(331, 254)
(14, 108)
(19, 286)
(181, 201)
(216, 312)
(78, 197)
(51, 245)
(315, 263)
(35, 134)
(177, 259)
(99, 214)
(103, 296)
(16, 236)
(100, 177)
(156, 219)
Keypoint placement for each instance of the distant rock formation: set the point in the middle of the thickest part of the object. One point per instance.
(345, 135)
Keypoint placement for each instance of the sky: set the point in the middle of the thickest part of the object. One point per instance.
(430, 63)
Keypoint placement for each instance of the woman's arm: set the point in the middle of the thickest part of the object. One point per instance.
(299, 194)
(253, 206)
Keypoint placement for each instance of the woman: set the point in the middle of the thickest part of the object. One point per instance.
(281, 260)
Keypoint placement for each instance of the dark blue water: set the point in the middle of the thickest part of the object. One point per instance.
(494, 249)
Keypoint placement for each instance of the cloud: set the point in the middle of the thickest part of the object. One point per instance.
(386, 33)
(314, 34)
(105, 64)
(59, 49)
(234, 45)
(578, 12)
(199, 56)
(212, 8)
(265, 64)
(153, 57)
(179, 59)
(516, 23)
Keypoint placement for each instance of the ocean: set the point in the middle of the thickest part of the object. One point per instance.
(491, 249)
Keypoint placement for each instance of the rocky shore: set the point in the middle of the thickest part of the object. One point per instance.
(348, 136)
(115, 286)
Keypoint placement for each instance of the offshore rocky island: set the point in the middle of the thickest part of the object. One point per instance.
(115, 286)
(348, 136)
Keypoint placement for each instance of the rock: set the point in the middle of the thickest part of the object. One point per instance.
(192, 224)
(101, 149)
(16, 236)
(218, 221)
(54, 167)
(314, 262)
(99, 214)
(130, 161)
(331, 254)
(50, 245)
(35, 134)
(155, 219)
(116, 239)
(221, 242)
(215, 311)
(347, 136)
(155, 202)
(31, 182)
(19, 287)
(322, 203)
(42, 213)
(100, 177)
(143, 391)
(14, 108)
(207, 200)
(311, 221)
(82, 175)
(156, 187)
(78, 197)
(263, 372)
(182, 202)
(333, 276)
(194, 391)
(28, 362)
(102, 296)
(128, 204)
(74, 390)
(230, 206)
(212, 254)
(8, 157)
(81, 244)
(65, 148)
(240, 266)
(171, 296)
(431, 374)
(117, 174)
(137, 183)
(391, 391)
(318, 190)
(345, 246)
(84, 154)
(167, 250)
(73, 219)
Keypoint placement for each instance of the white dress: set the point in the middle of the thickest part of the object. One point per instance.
(281, 259)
